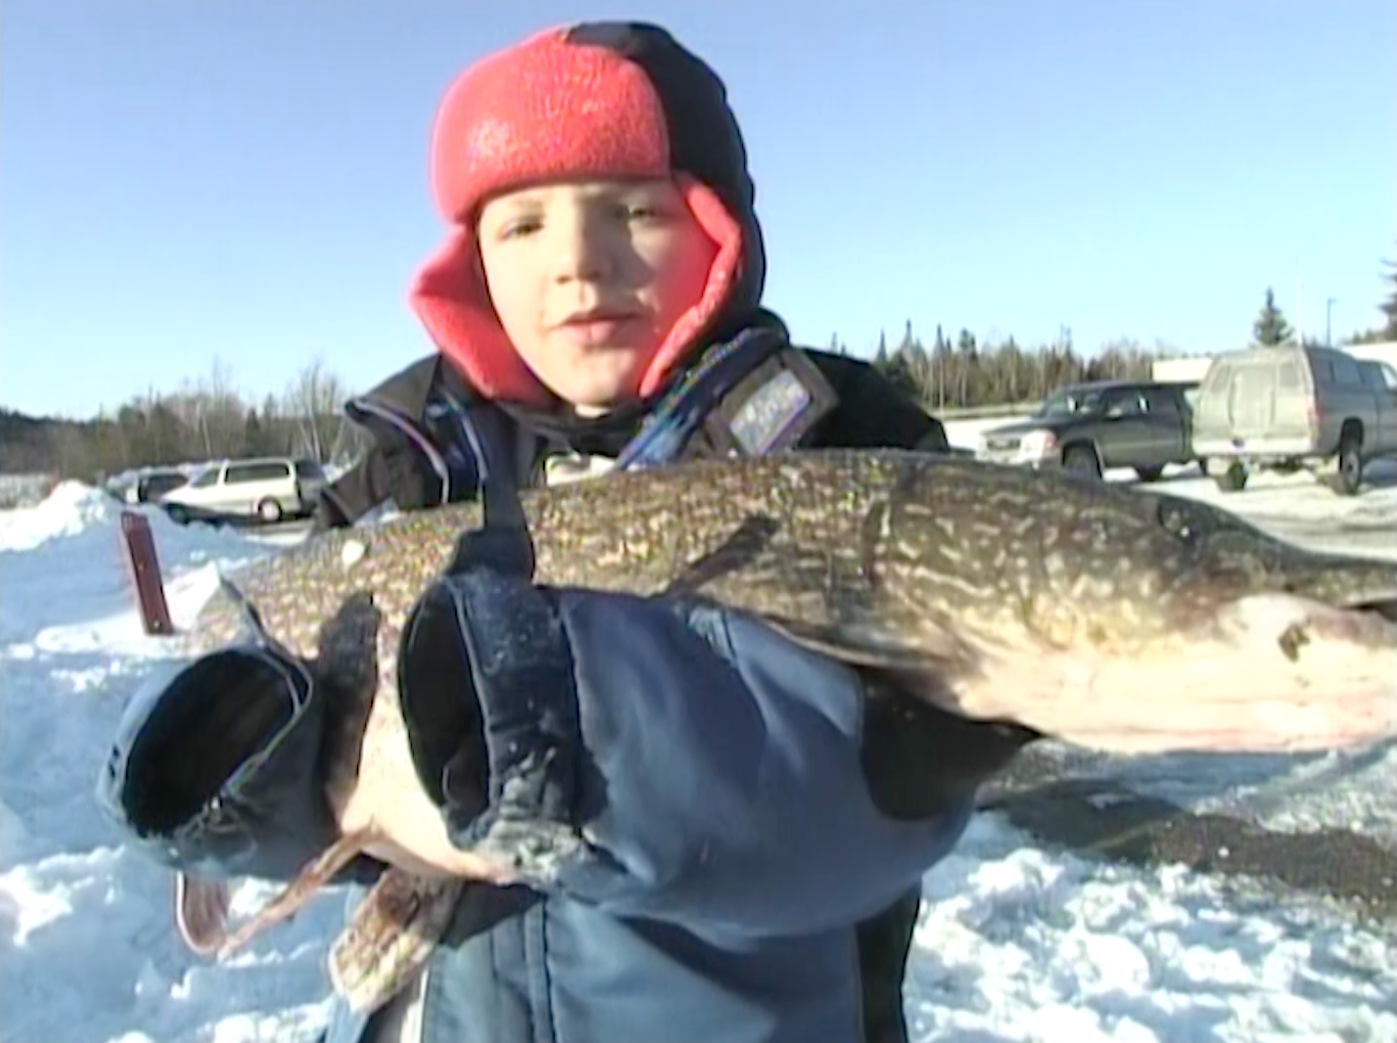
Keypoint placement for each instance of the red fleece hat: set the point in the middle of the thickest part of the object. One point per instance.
(548, 109)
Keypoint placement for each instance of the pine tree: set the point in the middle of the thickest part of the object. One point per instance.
(1270, 327)
(880, 358)
(1389, 306)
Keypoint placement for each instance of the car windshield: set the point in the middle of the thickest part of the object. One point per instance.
(208, 476)
(1069, 401)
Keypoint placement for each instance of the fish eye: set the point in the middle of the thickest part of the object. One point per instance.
(1179, 520)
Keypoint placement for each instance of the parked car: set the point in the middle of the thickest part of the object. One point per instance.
(151, 485)
(268, 489)
(1089, 428)
(1289, 407)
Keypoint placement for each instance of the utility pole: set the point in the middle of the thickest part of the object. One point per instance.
(1328, 326)
(1299, 305)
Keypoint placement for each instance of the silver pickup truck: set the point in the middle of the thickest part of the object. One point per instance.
(1288, 407)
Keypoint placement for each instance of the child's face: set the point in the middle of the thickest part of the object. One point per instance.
(588, 279)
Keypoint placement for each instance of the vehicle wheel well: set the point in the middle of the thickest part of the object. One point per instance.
(1085, 449)
(1351, 431)
(1080, 443)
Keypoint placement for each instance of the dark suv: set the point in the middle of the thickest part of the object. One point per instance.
(1088, 428)
(152, 484)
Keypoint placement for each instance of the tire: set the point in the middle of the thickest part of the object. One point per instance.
(1149, 474)
(1232, 480)
(1350, 474)
(177, 514)
(1082, 460)
(269, 511)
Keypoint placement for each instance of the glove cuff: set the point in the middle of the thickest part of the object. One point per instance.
(490, 700)
(215, 768)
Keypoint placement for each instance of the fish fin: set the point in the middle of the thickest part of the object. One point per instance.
(390, 936)
(747, 542)
(201, 913)
(927, 672)
(346, 666)
(296, 894)
(252, 618)
(254, 628)
(932, 654)
(818, 641)
(347, 644)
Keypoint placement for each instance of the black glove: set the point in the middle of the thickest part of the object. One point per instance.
(216, 766)
(921, 760)
(395, 471)
(406, 476)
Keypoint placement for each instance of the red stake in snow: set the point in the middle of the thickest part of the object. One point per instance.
(144, 569)
(201, 906)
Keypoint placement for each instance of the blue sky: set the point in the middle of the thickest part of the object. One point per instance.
(245, 179)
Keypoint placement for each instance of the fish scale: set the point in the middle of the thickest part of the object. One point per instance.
(993, 591)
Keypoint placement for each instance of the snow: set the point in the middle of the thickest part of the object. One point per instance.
(18, 490)
(1019, 940)
(1019, 944)
(87, 949)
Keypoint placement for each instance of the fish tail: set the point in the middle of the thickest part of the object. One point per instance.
(311, 879)
(201, 912)
(391, 935)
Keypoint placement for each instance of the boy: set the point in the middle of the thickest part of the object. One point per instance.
(550, 410)
(546, 409)
(755, 825)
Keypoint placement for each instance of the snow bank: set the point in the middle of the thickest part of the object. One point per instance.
(87, 947)
(69, 509)
(23, 490)
(65, 554)
(73, 509)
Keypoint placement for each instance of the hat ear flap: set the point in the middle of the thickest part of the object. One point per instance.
(452, 301)
(720, 226)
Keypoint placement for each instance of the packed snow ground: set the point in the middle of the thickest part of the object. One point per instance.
(1018, 941)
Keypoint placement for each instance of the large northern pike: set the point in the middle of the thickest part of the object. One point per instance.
(1117, 619)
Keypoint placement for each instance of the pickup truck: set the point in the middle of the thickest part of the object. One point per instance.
(1289, 408)
(1090, 428)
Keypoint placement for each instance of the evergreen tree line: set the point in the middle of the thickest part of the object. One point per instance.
(210, 419)
(966, 373)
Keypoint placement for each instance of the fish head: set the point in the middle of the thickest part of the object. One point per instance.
(1060, 603)
(1232, 572)
(1246, 641)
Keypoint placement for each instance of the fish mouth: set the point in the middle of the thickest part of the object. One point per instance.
(1293, 623)
(1350, 584)
(1283, 672)
(1382, 607)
